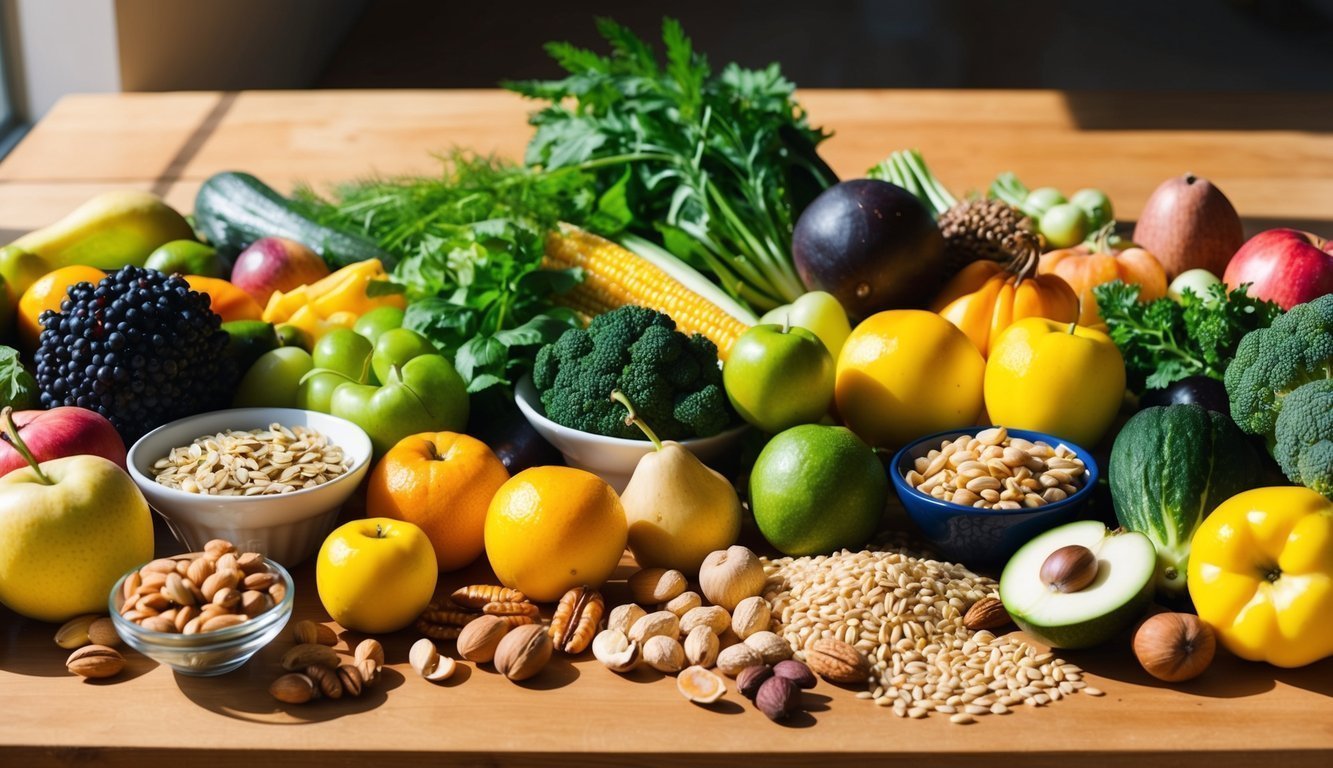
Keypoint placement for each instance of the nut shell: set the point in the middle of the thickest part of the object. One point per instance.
(771, 646)
(701, 647)
(837, 662)
(95, 661)
(74, 633)
(524, 652)
(479, 638)
(1174, 647)
(369, 649)
(699, 685)
(715, 617)
(751, 615)
(622, 617)
(615, 651)
(731, 660)
(682, 603)
(664, 654)
(103, 632)
(664, 623)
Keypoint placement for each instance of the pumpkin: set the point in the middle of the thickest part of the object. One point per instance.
(986, 297)
(1085, 267)
(228, 301)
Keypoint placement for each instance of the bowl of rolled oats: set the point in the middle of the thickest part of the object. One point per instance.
(269, 479)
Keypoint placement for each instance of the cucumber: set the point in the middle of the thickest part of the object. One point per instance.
(232, 210)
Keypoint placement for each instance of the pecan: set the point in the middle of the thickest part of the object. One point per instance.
(576, 619)
(510, 608)
(478, 595)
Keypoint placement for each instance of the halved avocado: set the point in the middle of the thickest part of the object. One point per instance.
(1116, 598)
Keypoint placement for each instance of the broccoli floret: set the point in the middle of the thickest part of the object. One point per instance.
(1273, 362)
(1304, 436)
(672, 379)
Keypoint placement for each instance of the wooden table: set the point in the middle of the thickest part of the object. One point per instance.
(1273, 154)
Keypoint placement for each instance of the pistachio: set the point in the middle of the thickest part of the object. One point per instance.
(615, 651)
(770, 646)
(750, 616)
(664, 654)
(701, 647)
(730, 661)
(95, 661)
(663, 623)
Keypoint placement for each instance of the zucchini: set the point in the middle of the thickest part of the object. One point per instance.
(1170, 467)
(232, 210)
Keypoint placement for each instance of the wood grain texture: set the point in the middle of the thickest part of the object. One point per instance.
(577, 713)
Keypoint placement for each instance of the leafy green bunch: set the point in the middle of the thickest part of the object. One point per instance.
(1164, 341)
(715, 167)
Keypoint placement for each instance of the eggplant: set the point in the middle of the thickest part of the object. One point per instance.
(871, 244)
(1197, 390)
(498, 423)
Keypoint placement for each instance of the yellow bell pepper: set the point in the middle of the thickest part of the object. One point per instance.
(332, 302)
(1261, 574)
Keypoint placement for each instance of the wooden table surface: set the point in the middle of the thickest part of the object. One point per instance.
(1272, 154)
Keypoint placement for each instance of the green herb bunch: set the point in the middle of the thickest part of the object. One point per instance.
(715, 167)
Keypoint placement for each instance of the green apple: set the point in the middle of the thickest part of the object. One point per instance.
(425, 394)
(1096, 204)
(70, 528)
(317, 388)
(272, 381)
(21, 268)
(779, 377)
(818, 312)
(294, 336)
(345, 351)
(1119, 585)
(377, 321)
(187, 257)
(395, 347)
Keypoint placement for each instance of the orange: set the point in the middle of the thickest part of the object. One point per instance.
(229, 302)
(550, 529)
(442, 482)
(906, 373)
(47, 293)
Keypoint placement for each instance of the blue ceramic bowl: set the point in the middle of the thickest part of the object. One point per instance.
(981, 538)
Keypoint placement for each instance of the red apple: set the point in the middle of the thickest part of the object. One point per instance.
(1287, 266)
(276, 264)
(60, 432)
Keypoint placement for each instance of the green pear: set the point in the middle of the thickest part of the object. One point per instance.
(425, 394)
(69, 528)
(678, 510)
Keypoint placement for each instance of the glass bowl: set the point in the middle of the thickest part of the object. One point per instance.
(205, 654)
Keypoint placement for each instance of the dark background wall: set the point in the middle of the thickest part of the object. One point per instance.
(1215, 45)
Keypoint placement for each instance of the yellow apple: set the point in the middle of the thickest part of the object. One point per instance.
(1059, 378)
(376, 575)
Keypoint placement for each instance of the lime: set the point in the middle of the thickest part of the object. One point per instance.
(816, 489)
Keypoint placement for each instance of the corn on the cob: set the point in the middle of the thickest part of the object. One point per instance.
(614, 276)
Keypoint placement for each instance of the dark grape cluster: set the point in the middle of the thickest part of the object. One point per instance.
(140, 348)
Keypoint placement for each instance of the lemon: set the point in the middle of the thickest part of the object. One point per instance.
(550, 529)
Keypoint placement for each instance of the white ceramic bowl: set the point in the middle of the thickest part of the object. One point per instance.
(611, 458)
(286, 527)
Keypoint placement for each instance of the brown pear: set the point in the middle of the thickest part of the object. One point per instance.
(1188, 223)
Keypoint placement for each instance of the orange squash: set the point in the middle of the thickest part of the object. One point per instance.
(986, 297)
(1086, 267)
(228, 301)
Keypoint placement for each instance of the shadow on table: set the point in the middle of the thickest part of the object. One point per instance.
(250, 700)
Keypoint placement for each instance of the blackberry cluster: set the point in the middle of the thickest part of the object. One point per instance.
(140, 348)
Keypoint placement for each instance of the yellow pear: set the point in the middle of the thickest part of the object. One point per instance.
(678, 510)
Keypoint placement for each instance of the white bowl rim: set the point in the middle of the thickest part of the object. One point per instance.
(176, 493)
(525, 395)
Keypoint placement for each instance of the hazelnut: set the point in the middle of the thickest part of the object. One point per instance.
(730, 575)
(778, 698)
(796, 672)
(1069, 568)
(523, 652)
(480, 637)
(1174, 647)
(750, 678)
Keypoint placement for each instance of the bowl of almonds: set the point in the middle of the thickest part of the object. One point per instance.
(979, 493)
(269, 479)
(204, 613)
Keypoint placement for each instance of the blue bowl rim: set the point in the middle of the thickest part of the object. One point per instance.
(900, 482)
(218, 639)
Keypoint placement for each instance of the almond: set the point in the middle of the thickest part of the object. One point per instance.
(986, 613)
